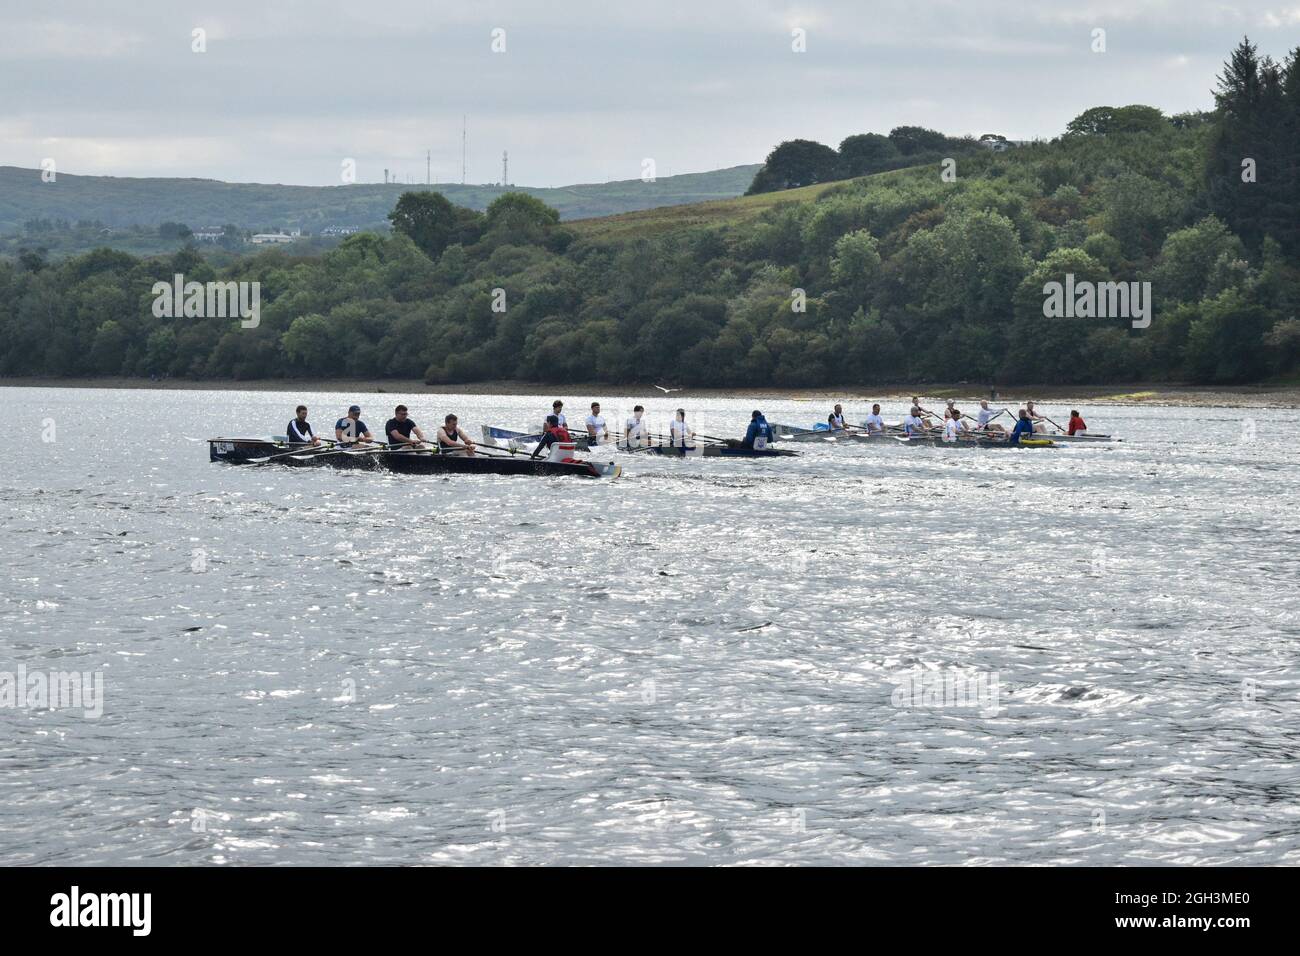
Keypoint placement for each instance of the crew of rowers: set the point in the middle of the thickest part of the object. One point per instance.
(921, 421)
(400, 432)
(635, 431)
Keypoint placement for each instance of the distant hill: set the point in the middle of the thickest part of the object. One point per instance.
(120, 202)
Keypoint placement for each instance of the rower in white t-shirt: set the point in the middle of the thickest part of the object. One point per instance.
(635, 433)
(913, 424)
(679, 435)
(874, 423)
(596, 430)
(557, 409)
(951, 425)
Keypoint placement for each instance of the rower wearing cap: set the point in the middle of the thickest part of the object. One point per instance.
(635, 433)
(836, 419)
(399, 428)
(759, 433)
(351, 429)
(452, 441)
(596, 430)
(873, 422)
(678, 434)
(557, 409)
(299, 431)
(555, 432)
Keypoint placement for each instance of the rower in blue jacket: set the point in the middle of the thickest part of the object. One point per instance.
(759, 433)
(1025, 426)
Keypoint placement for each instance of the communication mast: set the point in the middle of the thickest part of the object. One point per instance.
(464, 148)
(505, 168)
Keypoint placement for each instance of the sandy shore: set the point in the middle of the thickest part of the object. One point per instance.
(1246, 396)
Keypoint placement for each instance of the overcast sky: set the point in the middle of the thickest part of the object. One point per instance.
(584, 91)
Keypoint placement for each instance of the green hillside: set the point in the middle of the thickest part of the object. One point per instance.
(722, 212)
(121, 202)
(941, 272)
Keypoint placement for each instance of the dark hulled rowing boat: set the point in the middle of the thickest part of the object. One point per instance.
(243, 451)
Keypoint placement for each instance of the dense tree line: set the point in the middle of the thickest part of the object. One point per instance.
(803, 162)
(909, 276)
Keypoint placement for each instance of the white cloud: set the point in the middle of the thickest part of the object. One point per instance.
(1281, 17)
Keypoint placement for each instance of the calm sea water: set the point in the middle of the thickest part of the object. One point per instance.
(705, 661)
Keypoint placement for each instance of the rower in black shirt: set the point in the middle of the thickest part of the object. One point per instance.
(452, 441)
(299, 431)
(351, 429)
(836, 419)
(398, 429)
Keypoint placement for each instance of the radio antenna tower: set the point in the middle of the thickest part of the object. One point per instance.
(428, 167)
(464, 148)
(505, 168)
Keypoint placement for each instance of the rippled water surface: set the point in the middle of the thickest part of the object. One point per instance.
(700, 662)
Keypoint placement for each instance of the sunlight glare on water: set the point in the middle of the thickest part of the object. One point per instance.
(699, 662)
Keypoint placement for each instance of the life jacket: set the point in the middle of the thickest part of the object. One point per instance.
(560, 432)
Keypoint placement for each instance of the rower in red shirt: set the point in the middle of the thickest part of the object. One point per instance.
(555, 432)
(1077, 425)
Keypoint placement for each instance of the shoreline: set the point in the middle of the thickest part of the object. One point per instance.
(1240, 396)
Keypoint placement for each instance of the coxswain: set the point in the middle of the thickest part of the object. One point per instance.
(836, 419)
(555, 432)
(452, 441)
(874, 423)
(299, 431)
(1077, 425)
(759, 433)
(635, 433)
(399, 428)
(679, 435)
(1024, 427)
(351, 429)
(596, 430)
